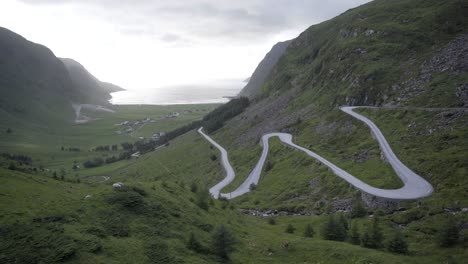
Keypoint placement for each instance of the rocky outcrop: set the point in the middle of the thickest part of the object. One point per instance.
(451, 59)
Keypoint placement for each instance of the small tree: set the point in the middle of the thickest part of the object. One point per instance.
(9, 131)
(213, 157)
(358, 210)
(223, 242)
(309, 231)
(203, 197)
(268, 166)
(353, 236)
(194, 187)
(448, 234)
(194, 244)
(290, 229)
(397, 244)
(343, 221)
(333, 230)
(272, 221)
(373, 236)
(252, 187)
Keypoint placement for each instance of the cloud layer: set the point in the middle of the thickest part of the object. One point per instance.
(155, 43)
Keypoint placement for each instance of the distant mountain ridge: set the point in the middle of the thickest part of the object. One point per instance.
(91, 89)
(256, 81)
(36, 85)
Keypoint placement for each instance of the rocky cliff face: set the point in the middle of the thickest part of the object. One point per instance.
(256, 81)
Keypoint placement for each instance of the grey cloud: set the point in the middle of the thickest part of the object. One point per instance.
(211, 19)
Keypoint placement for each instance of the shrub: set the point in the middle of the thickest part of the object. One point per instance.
(253, 187)
(35, 243)
(139, 190)
(96, 162)
(115, 224)
(223, 242)
(290, 229)
(272, 221)
(373, 237)
(358, 210)
(194, 187)
(397, 244)
(202, 199)
(333, 229)
(213, 157)
(309, 231)
(129, 199)
(448, 234)
(194, 244)
(354, 237)
(158, 252)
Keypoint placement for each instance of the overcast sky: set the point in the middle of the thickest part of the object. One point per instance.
(146, 44)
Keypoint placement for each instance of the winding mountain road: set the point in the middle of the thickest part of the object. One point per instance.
(415, 186)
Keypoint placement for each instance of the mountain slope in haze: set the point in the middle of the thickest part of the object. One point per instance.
(33, 82)
(36, 86)
(256, 81)
(91, 89)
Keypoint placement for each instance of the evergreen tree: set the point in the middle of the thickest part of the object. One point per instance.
(194, 187)
(203, 197)
(222, 242)
(448, 234)
(343, 221)
(397, 244)
(309, 231)
(194, 244)
(358, 210)
(373, 236)
(354, 237)
(333, 230)
(290, 229)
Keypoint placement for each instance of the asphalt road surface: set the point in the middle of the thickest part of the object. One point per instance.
(415, 186)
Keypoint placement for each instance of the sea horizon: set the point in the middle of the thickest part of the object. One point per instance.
(212, 93)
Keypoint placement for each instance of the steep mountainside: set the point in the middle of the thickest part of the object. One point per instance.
(91, 89)
(385, 52)
(33, 82)
(256, 81)
(36, 86)
(400, 53)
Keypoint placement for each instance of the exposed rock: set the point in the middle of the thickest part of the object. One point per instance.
(462, 93)
(342, 205)
(269, 213)
(451, 59)
(117, 185)
(369, 32)
(314, 183)
(374, 202)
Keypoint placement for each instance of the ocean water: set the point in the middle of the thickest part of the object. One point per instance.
(183, 94)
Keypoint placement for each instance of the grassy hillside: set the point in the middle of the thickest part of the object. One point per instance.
(408, 53)
(383, 52)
